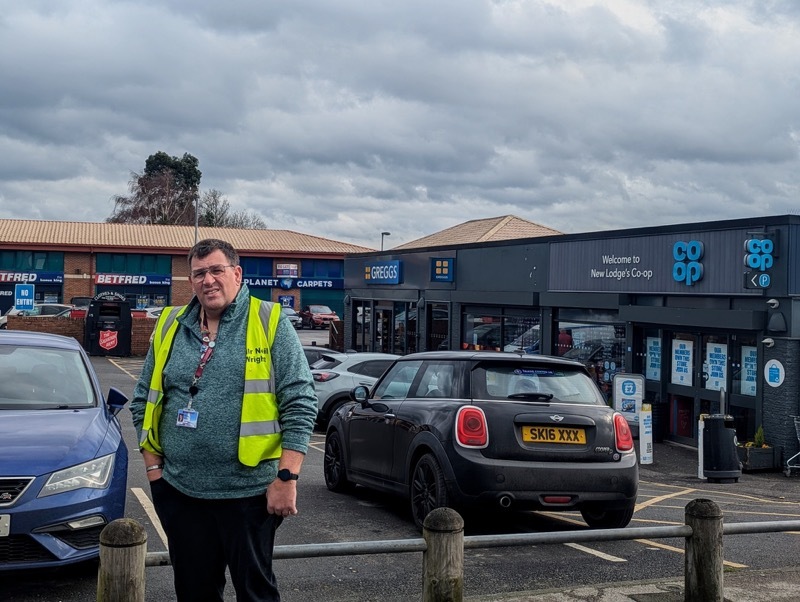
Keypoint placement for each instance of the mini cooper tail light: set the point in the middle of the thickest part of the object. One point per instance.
(471, 428)
(622, 433)
(323, 377)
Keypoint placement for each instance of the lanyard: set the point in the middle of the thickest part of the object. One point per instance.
(207, 350)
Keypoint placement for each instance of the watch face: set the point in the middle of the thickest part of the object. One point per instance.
(284, 474)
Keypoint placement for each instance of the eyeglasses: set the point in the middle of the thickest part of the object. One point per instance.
(215, 270)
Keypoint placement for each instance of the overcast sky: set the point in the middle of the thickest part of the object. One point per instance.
(343, 119)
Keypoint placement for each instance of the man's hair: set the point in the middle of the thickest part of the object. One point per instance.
(204, 248)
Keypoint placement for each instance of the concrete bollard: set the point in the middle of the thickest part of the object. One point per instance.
(443, 560)
(704, 553)
(123, 548)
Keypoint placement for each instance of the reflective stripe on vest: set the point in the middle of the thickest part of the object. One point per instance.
(259, 435)
(166, 326)
(259, 431)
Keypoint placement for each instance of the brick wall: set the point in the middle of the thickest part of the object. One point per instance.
(78, 281)
(75, 328)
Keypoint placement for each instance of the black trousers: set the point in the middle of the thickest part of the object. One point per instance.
(206, 536)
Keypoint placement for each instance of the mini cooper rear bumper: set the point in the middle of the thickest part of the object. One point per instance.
(477, 480)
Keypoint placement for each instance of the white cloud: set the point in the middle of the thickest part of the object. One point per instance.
(347, 119)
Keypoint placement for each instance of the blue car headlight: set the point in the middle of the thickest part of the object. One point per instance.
(94, 474)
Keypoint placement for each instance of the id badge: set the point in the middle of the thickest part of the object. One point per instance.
(187, 417)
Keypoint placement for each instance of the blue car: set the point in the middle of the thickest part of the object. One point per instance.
(63, 461)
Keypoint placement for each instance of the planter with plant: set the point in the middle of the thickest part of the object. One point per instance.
(758, 455)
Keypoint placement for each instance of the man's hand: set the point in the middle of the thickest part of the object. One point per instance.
(282, 497)
(151, 459)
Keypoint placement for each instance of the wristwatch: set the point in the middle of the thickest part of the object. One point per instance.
(284, 474)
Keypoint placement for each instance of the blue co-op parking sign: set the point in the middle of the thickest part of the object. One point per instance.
(23, 296)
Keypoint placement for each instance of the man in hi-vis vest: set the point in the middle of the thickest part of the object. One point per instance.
(224, 408)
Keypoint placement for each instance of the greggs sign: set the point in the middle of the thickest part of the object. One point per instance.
(383, 272)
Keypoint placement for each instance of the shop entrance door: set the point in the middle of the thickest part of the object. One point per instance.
(384, 329)
(697, 380)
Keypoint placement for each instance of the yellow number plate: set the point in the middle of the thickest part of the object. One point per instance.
(553, 434)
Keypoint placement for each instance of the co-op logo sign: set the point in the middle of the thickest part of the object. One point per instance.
(758, 254)
(687, 268)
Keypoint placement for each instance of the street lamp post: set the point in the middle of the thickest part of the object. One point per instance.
(383, 234)
(196, 210)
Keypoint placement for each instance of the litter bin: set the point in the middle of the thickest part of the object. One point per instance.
(108, 326)
(720, 459)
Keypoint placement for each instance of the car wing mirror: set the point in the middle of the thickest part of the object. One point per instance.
(360, 394)
(115, 400)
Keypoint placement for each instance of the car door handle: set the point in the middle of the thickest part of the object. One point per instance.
(389, 416)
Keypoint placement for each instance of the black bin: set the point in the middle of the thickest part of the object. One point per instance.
(108, 327)
(720, 459)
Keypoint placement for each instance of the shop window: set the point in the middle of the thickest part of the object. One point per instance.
(682, 365)
(651, 355)
(255, 267)
(481, 332)
(133, 263)
(405, 328)
(438, 324)
(715, 362)
(322, 268)
(744, 365)
(521, 334)
(44, 261)
(600, 347)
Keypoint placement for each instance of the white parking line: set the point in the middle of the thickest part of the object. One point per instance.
(597, 553)
(151, 512)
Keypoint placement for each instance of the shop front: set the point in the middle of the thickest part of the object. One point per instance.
(696, 309)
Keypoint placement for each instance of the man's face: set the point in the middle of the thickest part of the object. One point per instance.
(215, 293)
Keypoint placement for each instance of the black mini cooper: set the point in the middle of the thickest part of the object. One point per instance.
(466, 429)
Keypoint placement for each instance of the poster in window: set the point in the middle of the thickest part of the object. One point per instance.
(716, 366)
(653, 368)
(682, 352)
(749, 370)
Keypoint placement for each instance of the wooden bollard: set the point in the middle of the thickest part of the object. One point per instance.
(443, 560)
(704, 553)
(123, 548)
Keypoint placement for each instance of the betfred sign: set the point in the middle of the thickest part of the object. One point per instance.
(133, 279)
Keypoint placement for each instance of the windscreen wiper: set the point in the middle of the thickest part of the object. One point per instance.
(531, 395)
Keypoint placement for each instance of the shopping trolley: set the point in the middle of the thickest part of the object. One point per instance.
(793, 463)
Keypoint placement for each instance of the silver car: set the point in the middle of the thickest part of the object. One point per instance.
(39, 310)
(335, 374)
(293, 316)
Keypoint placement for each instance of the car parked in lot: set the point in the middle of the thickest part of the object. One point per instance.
(315, 352)
(293, 317)
(317, 316)
(39, 310)
(486, 429)
(63, 461)
(335, 374)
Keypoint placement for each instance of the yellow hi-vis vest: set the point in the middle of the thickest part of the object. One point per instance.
(259, 430)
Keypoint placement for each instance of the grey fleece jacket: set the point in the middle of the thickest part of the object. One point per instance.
(203, 462)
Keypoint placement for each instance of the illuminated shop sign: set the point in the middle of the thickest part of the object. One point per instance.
(33, 277)
(133, 279)
(289, 283)
(759, 256)
(687, 268)
(384, 272)
(443, 269)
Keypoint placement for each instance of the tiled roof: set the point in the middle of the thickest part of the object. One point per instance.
(66, 235)
(490, 229)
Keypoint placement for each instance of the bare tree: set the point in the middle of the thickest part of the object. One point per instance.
(164, 193)
(215, 210)
(167, 192)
